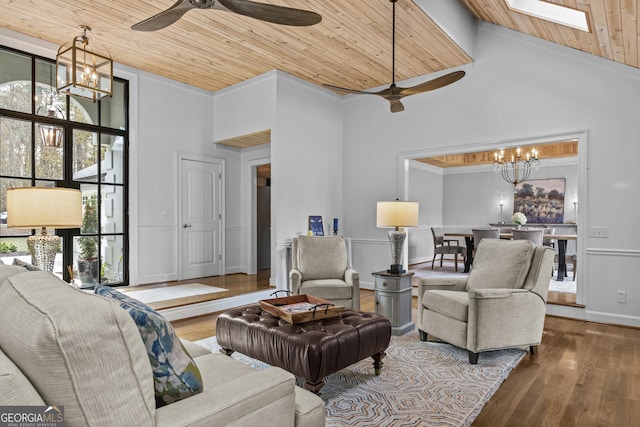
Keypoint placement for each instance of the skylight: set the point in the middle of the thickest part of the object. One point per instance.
(551, 12)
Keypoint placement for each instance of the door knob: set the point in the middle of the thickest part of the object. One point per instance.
(186, 226)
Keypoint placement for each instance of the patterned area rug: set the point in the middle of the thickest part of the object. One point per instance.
(168, 293)
(421, 384)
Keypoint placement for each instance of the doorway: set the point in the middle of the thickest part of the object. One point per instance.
(263, 216)
(200, 210)
(480, 202)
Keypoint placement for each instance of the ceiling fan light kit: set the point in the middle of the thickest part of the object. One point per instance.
(394, 93)
(261, 11)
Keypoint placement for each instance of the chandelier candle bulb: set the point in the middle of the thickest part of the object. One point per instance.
(519, 168)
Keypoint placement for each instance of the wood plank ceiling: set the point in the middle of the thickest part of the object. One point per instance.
(214, 49)
(351, 47)
(546, 151)
(614, 35)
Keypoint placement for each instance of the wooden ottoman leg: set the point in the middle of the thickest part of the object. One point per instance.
(227, 351)
(313, 386)
(377, 361)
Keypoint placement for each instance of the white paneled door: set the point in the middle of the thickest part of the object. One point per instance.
(201, 218)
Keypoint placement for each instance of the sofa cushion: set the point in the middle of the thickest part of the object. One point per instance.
(77, 350)
(322, 257)
(15, 388)
(514, 258)
(175, 374)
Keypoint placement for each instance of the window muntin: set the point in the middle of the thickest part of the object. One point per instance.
(92, 157)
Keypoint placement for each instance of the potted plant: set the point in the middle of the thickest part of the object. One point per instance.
(88, 263)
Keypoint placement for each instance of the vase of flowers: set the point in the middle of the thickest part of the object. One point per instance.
(519, 219)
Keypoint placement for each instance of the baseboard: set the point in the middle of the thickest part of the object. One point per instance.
(157, 278)
(571, 312)
(208, 307)
(367, 285)
(235, 270)
(613, 319)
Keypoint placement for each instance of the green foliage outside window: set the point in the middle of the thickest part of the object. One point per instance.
(89, 244)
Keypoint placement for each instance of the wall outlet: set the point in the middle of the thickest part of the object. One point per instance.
(621, 296)
(599, 231)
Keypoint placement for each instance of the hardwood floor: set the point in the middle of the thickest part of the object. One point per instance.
(584, 374)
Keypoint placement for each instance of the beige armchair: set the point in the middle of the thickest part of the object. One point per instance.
(501, 304)
(321, 266)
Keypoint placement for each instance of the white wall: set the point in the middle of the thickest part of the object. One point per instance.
(242, 109)
(306, 167)
(518, 88)
(305, 155)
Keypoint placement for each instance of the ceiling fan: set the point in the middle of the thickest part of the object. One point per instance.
(393, 93)
(262, 11)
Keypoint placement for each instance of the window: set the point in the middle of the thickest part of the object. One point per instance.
(88, 150)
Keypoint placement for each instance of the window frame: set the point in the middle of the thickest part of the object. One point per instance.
(69, 127)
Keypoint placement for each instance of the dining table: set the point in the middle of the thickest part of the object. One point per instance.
(560, 238)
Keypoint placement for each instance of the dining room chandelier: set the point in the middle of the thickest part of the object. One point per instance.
(517, 167)
(83, 71)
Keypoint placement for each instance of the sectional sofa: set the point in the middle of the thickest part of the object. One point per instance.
(60, 346)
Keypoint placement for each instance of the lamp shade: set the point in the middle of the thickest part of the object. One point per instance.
(35, 207)
(397, 214)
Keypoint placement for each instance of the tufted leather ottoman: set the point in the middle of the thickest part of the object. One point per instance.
(310, 350)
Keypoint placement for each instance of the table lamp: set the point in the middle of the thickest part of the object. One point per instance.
(397, 215)
(44, 207)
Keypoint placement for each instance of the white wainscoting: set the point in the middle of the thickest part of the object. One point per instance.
(235, 262)
(157, 256)
(604, 272)
(370, 256)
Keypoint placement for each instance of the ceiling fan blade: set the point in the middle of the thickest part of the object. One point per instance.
(396, 106)
(436, 83)
(165, 18)
(272, 13)
(345, 90)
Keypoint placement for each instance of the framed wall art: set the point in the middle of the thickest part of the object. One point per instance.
(540, 200)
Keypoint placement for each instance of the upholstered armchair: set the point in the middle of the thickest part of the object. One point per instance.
(321, 266)
(501, 304)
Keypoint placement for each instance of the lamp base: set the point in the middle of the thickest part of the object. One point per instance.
(43, 248)
(396, 240)
(396, 270)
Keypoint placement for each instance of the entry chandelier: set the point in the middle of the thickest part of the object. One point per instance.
(518, 168)
(84, 72)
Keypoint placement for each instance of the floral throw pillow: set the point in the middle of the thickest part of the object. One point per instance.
(175, 374)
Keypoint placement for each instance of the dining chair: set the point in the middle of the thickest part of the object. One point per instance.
(443, 247)
(484, 233)
(548, 241)
(534, 235)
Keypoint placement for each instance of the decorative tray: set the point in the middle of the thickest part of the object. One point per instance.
(301, 308)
